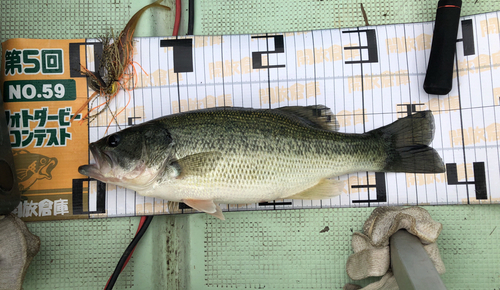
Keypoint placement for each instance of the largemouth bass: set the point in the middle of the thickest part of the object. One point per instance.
(237, 155)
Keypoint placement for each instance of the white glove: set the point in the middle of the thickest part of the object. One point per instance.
(371, 250)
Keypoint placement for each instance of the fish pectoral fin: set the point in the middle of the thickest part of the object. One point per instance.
(199, 164)
(207, 206)
(325, 188)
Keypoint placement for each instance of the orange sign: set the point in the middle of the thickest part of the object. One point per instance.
(41, 92)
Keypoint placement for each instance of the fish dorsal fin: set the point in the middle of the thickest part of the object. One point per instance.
(198, 164)
(317, 116)
(207, 206)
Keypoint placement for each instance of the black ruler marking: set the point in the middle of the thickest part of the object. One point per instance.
(380, 188)
(77, 196)
(479, 178)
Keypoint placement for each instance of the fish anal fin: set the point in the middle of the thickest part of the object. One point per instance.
(325, 188)
(173, 207)
(198, 164)
(207, 206)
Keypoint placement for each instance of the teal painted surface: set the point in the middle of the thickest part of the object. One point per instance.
(80, 254)
(260, 16)
(287, 250)
(272, 249)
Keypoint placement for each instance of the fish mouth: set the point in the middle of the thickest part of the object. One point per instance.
(47, 168)
(102, 165)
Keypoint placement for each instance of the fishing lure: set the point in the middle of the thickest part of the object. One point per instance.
(116, 69)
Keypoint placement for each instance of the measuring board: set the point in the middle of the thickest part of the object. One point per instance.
(368, 76)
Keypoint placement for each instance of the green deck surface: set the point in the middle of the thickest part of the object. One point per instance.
(250, 250)
(287, 249)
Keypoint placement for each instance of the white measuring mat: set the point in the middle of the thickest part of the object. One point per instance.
(368, 76)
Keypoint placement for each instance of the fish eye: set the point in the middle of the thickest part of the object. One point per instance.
(113, 140)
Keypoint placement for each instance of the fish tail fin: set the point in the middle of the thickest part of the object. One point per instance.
(409, 140)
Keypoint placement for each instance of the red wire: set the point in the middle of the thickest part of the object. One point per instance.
(449, 6)
(143, 219)
(177, 17)
(141, 223)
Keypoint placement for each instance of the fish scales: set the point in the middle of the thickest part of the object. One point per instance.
(265, 153)
(235, 155)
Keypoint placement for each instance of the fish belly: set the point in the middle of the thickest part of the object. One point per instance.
(255, 178)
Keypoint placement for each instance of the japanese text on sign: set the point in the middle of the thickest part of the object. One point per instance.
(33, 61)
(24, 135)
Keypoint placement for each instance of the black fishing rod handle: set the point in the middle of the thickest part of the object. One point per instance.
(439, 76)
